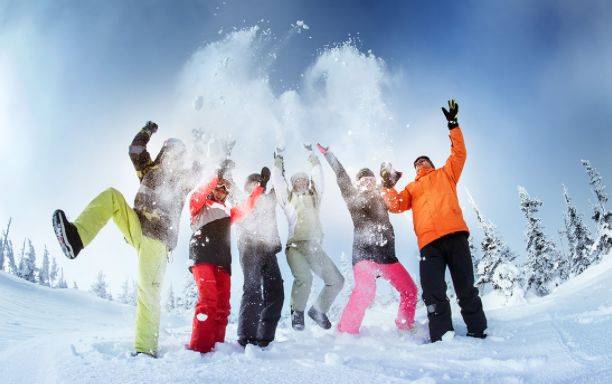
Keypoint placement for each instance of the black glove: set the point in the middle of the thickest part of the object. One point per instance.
(451, 113)
(226, 166)
(150, 127)
(389, 175)
(265, 177)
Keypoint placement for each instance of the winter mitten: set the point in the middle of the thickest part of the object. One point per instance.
(389, 175)
(265, 177)
(451, 114)
(150, 127)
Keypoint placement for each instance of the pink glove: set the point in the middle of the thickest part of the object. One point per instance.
(322, 149)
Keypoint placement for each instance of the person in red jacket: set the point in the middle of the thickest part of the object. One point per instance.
(441, 233)
(210, 253)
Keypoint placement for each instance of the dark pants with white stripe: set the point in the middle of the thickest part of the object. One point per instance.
(453, 251)
(263, 293)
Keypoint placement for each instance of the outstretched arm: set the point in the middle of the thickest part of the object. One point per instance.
(316, 174)
(279, 184)
(344, 180)
(456, 160)
(199, 197)
(138, 149)
(241, 211)
(397, 202)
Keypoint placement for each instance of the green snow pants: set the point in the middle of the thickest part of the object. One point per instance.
(305, 257)
(152, 260)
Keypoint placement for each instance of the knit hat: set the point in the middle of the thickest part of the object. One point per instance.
(364, 172)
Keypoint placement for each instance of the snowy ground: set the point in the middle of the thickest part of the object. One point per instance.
(66, 336)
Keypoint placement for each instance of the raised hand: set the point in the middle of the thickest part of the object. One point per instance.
(389, 175)
(451, 113)
(150, 127)
(265, 176)
(322, 149)
(307, 146)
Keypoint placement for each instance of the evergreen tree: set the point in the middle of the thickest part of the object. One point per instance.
(544, 262)
(601, 215)
(53, 273)
(61, 283)
(170, 300)
(579, 239)
(4, 243)
(100, 288)
(27, 265)
(189, 298)
(496, 266)
(74, 285)
(43, 272)
(128, 293)
(9, 252)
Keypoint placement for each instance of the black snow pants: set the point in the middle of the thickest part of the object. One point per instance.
(263, 293)
(453, 251)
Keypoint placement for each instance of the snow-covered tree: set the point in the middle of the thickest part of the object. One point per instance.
(601, 215)
(579, 239)
(189, 298)
(100, 288)
(27, 264)
(43, 272)
(9, 252)
(496, 266)
(544, 261)
(74, 285)
(61, 282)
(170, 300)
(128, 293)
(53, 273)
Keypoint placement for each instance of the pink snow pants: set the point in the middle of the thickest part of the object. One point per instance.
(363, 293)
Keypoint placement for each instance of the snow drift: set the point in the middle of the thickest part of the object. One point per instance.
(67, 336)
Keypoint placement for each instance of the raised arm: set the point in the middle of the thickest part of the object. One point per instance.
(456, 160)
(344, 180)
(138, 149)
(316, 174)
(241, 211)
(397, 202)
(199, 197)
(279, 184)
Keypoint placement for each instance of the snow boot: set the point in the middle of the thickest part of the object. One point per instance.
(243, 342)
(67, 235)
(263, 343)
(152, 355)
(320, 318)
(297, 320)
(477, 335)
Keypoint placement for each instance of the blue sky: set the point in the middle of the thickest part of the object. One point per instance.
(78, 79)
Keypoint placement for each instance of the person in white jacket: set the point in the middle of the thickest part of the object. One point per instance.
(300, 202)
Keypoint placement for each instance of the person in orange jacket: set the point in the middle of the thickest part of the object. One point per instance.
(441, 232)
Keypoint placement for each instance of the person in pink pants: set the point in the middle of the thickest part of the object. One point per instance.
(373, 249)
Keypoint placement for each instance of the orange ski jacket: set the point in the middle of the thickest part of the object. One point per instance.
(432, 196)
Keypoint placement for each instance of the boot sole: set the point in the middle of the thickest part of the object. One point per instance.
(60, 232)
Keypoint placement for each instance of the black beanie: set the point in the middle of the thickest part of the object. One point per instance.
(365, 172)
(426, 158)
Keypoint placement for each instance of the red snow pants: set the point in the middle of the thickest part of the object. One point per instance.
(366, 272)
(212, 308)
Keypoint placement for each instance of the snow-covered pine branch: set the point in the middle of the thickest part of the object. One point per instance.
(601, 215)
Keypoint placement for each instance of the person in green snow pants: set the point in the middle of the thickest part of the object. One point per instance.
(151, 227)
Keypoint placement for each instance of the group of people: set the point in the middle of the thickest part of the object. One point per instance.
(151, 227)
